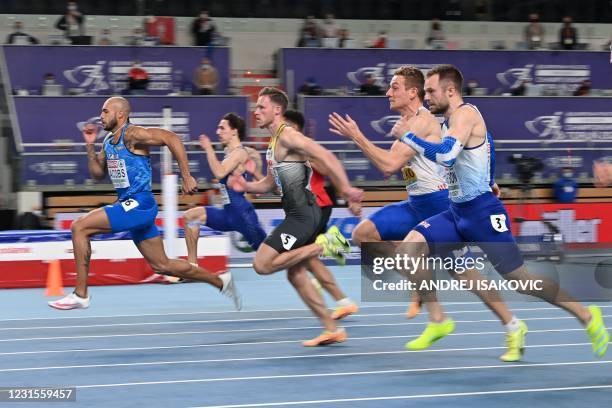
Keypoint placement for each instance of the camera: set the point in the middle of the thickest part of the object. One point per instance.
(526, 167)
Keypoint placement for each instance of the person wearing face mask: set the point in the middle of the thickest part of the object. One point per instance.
(105, 37)
(203, 30)
(71, 23)
(19, 37)
(205, 78)
(566, 188)
(568, 35)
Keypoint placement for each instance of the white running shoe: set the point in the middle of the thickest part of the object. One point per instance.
(229, 289)
(72, 301)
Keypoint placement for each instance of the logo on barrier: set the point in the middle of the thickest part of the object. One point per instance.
(90, 77)
(385, 124)
(382, 73)
(556, 76)
(582, 126)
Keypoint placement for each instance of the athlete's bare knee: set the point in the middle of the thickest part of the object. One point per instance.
(79, 227)
(262, 266)
(363, 233)
(295, 275)
(193, 215)
(519, 275)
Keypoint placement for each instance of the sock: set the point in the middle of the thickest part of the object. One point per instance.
(344, 302)
(513, 326)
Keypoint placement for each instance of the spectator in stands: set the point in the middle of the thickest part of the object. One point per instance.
(137, 38)
(343, 37)
(566, 188)
(310, 87)
(584, 89)
(105, 37)
(435, 38)
(138, 79)
(203, 30)
(205, 78)
(71, 23)
(369, 87)
(380, 41)
(568, 35)
(19, 37)
(310, 38)
(534, 32)
(330, 28)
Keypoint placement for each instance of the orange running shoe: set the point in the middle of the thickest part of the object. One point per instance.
(342, 311)
(327, 337)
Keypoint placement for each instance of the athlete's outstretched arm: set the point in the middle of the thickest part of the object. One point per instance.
(161, 137)
(96, 162)
(264, 185)
(446, 152)
(228, 165)
(294, 140)
(387, 161)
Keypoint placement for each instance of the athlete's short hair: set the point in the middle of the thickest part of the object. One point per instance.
(276, 96)
(296, 117)
(448, 73)
(236, 122)
(413, 78)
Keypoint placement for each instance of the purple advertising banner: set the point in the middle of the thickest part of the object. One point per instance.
(53, 144)
(102, 70)
(494, 70)
(562, 132)
(57, 120)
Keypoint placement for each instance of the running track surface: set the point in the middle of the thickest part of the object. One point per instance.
(184, 346)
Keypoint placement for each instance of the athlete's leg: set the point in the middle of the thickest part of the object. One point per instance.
(193, 217)
(94, 222)
(153, 251)
(298, 277)
(325, 277)
(268, 260)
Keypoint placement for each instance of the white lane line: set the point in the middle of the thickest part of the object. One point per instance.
(256, 343)
(182, 333)
(255, 311)
(276, 329)
(414, 396)
(207, 312)
(254, 319)
(266, 358)
(339, 374)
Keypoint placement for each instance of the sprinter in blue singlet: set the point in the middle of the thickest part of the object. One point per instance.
(125, 156)
(237, 213)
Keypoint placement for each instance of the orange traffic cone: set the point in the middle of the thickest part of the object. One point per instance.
(55, 286)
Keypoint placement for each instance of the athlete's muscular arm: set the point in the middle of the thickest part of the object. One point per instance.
(228, 165)
(264, 185)
(461, 124)
(96, 162)
(144, 137)
(387, 161)
(294, 140)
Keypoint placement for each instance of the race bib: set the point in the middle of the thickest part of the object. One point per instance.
(129, 204)
(410, 177)
(118, 173)
(288, 241)
(454, 189)
(223, 195)
(498, 222)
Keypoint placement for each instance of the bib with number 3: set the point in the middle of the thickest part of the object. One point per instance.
(409, 176)
(498, 222)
